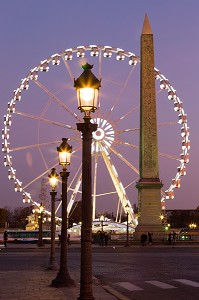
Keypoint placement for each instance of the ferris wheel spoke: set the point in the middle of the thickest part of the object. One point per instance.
(68, 69)
(107, 193)
(74, 194)
(168, 123)
(128, 113)
(138, 129)
(34, 146)
(169, 156)
(45, 120)
(128, 130)
(122, 89)
(43, 158)
(56, 99)
(119, 142)
(159, 92)
(95, 184)
(42, 145)
(117, 183)
(124, 160)
(78, 178)
(46, 107)
(39, 176)
(75, 176)
(137, 147)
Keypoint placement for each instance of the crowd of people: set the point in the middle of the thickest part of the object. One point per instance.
(104, 238)
(146, 238)
(172, 237)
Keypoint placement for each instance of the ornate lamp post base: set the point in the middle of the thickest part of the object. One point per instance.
(62, 280)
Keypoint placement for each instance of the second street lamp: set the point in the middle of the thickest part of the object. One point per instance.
(102, 218)
(40, 220)
(53, 179)
(87, 86)
(63, 278)
(127, 207)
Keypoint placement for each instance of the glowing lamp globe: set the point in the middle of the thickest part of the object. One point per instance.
(64, 151)
(87, 87)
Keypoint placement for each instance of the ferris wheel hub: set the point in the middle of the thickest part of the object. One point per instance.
(99, 134)
(103, 135)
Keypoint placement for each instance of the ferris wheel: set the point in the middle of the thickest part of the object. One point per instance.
(43, 109)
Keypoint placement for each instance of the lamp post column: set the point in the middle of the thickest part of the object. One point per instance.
(40, 237)
(127, 231)
(102, 225)
(63, 278)
(52, 263)
(86, 292)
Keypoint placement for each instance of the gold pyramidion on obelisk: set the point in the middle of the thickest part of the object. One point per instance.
(149, 185)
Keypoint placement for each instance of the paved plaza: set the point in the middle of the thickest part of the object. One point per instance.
(20, 280)
(141, 273)
(19, 285)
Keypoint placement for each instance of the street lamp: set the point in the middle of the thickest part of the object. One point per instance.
(192, 225)
(40, 220)
(127, 207)
(87, 87)
(102, 218)
(53, 180)
(63, 278)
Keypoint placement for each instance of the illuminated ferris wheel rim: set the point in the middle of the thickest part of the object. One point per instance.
(107, 52)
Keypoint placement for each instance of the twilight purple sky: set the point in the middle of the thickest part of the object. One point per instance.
(32, 31)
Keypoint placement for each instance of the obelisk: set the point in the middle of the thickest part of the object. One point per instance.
(149, 185)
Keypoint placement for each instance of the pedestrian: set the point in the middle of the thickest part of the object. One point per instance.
(143, 239)
(59, 235)
(150, 238)
(169, 238)
(101, 237)
(174, 237)
(68, 240)
(106, 238)
(5, 238)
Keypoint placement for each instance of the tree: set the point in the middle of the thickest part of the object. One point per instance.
(182, 218)
(3, 217)
(20, 216)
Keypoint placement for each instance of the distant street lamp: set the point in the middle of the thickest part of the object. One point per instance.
(127, 207)
(63, 278)
(192, 225)
(162, 217)
(102, 218)
(40, 220)
(53, 180)
(87, 87)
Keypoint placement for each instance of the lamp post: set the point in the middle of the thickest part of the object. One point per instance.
(127, 207)
(87, 86)
(53, 180)
(40, 220)
(63, 278)
(102, 218)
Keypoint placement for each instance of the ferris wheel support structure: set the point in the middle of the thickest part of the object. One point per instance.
(118, 184)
